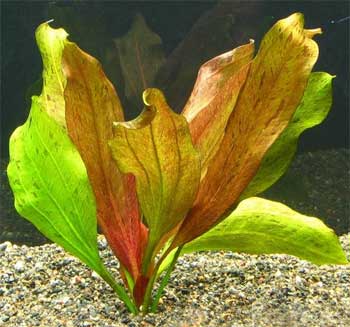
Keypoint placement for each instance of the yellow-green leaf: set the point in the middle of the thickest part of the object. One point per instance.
(46, 173)
(260, 226)
(157, 148)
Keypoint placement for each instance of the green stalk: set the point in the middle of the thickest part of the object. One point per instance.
(149, 254)
(104, 273)
(148, 293)
(129, 279)
(165, 280)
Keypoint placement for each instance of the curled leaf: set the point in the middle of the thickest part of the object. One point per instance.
(157, 149)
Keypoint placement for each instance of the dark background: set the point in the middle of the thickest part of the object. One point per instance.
(94, 24)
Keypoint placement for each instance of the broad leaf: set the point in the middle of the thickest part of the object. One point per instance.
(312, 110)
(157, 148)
(140, 55)
(91, 107)
(260, 226)
(214, 97)
(41, 159)
(273, 89)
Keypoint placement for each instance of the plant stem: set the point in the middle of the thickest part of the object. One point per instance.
(148, 293)
(148, 255)
(129, 279)
(165, 281)
(104, 273)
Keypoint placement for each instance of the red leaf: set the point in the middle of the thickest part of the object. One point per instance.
(92, 106)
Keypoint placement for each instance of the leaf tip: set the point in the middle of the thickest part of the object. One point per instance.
(151, 96)
(312, 32)
(44, 30)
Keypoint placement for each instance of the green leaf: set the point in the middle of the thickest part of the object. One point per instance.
(41, 158)
(260, 226)
(46, 173)
(312, 110)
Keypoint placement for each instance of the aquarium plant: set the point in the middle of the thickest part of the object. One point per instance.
(166, 184)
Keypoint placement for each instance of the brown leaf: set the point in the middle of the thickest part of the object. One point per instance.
(92, 106)
(214, 97)
(274, 87)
